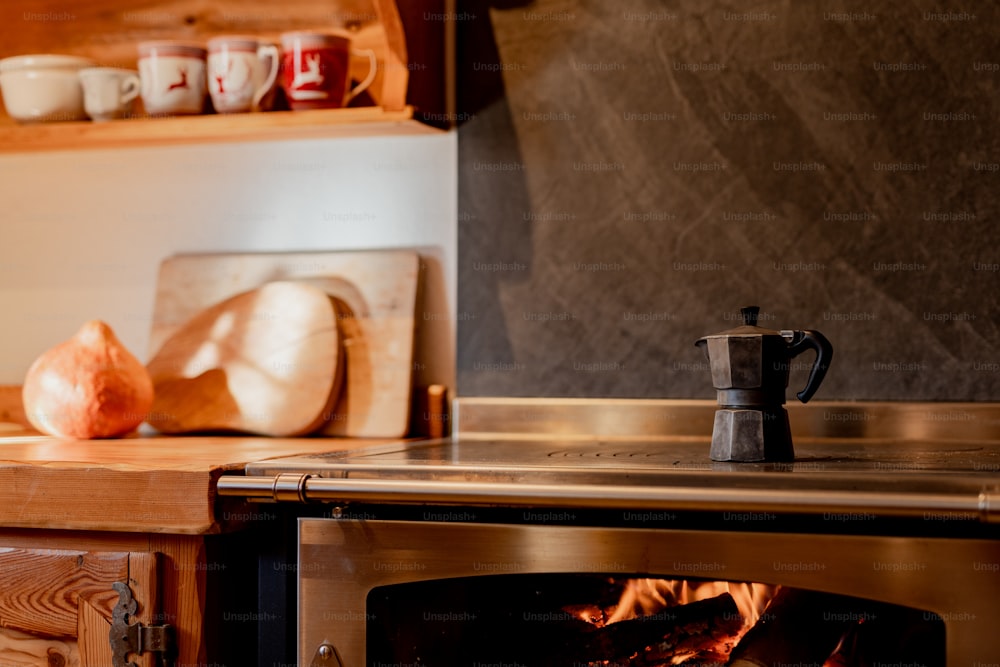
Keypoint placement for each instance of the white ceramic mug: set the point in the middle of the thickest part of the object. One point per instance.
(241, 71)
(43, 87)
(173, 77)
(108, 92)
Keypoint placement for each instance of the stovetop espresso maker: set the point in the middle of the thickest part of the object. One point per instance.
(750, 367)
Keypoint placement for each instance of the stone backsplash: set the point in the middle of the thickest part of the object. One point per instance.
(631, 173)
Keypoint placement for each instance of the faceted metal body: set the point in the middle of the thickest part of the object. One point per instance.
(750, 376)
(751, 435)
(750, 368)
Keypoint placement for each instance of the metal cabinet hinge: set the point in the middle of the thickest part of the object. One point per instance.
(127, 637)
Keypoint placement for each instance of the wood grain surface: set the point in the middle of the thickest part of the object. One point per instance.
(139, 484)
(183, 574)
(20, 649)
(144, 574)
(267, 361)
(375, 292)
(92, 636)
(48, 597)
(178, 562)
(221, 128)
(40, 589)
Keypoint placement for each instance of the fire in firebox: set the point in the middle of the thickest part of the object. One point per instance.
(593, 620)
(726, 611)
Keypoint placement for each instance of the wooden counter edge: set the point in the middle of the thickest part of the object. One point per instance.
(167, 487)
(95, 498)
(49, 483)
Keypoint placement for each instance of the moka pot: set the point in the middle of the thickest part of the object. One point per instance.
(750, 368)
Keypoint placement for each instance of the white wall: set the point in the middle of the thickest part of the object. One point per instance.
(82, 233)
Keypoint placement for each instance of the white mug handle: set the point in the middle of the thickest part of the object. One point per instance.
(131, 85)
(372, 71)
(266, 51)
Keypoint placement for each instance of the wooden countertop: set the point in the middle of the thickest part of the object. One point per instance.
(143, 484)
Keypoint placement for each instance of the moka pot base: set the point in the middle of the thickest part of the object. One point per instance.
(751, 435)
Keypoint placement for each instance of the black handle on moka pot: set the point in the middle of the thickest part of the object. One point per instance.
(811, 340)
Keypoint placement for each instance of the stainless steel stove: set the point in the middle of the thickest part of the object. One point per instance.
(894, 459)
(895, 503)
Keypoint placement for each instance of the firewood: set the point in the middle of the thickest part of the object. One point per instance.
(797, 627)
(679, 630)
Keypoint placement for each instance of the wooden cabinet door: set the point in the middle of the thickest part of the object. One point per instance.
(56, 605)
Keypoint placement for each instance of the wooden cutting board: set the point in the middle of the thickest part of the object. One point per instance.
(266, 361)
(375, 294)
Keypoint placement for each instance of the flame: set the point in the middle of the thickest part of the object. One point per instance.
(646, 597)
(642, 597)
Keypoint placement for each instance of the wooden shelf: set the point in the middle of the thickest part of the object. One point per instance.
(108, 31)
(179, 130)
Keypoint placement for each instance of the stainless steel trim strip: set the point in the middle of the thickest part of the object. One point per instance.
(623, 419)
(982, 507)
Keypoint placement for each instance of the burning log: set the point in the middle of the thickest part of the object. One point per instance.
(798, 628)
(547, 621)
(646, 640)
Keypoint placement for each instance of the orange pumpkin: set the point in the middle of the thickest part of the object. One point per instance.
(89, 386)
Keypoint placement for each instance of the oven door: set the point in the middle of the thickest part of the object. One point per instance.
(342, 563)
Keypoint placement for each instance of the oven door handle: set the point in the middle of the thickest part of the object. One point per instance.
(302, 488)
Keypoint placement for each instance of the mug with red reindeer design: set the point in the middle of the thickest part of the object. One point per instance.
(173, 77)
(241, 71)
(316, 69)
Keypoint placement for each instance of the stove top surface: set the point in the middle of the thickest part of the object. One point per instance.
(827, 463)
(905, 460)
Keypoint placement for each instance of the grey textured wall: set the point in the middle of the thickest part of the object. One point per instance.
(633, 172)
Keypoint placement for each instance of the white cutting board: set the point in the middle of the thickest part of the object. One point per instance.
(376, 292)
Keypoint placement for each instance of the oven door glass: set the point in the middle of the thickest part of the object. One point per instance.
(576, 620)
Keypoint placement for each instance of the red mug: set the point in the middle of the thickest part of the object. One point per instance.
(315, 69)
